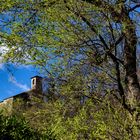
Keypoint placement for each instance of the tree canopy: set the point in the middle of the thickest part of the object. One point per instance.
(92, 44)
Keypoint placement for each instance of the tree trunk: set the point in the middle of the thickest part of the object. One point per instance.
(133, 87)
(122, 16)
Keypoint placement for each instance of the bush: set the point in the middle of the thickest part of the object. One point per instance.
(17, 128)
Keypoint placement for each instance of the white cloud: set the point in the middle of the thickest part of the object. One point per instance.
(19, 85)
(3, 50)
(2, 66)
(25, 66)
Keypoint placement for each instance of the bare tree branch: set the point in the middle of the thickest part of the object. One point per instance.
(133, 8)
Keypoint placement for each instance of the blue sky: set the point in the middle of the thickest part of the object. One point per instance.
(15, 81)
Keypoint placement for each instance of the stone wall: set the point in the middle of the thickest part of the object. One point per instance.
(7, 105)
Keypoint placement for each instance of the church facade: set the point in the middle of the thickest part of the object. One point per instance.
(28, 98)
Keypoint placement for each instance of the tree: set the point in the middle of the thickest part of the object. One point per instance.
(92, 37)
(120, 14)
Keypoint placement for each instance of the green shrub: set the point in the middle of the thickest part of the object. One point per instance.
(17, 128)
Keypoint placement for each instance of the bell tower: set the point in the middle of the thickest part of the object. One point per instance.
(36, 83)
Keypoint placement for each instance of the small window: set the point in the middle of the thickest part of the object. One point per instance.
(33, 81)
